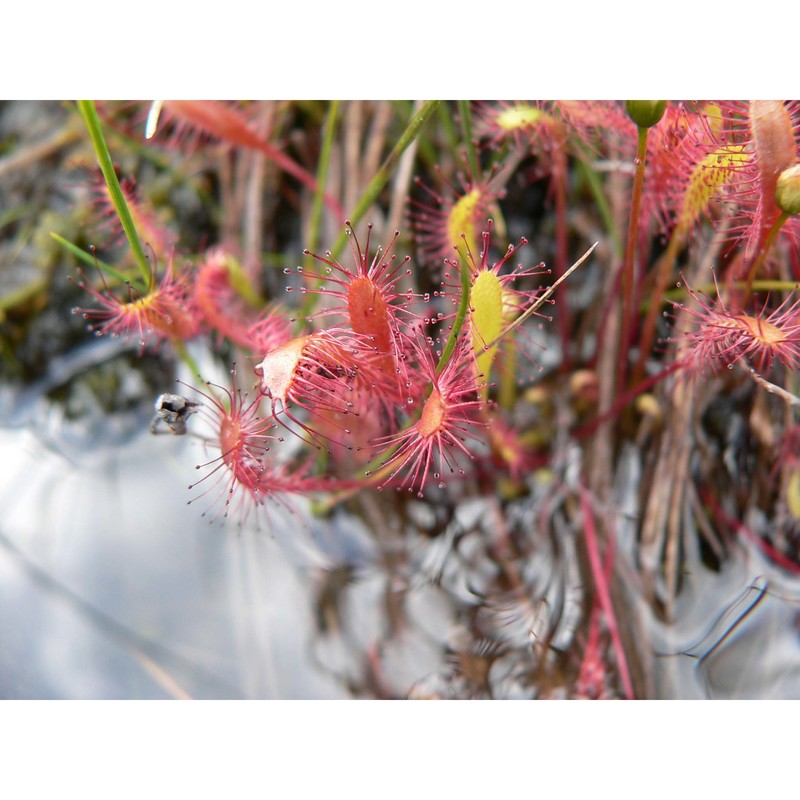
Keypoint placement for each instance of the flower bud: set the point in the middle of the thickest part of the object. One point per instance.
(793, 494)
(585, 390)
(787, 190)
(646, 113)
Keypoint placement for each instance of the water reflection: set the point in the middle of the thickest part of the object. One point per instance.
(735, 635)
(112, 587)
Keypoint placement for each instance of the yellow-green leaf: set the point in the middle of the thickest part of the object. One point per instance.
(486, 303)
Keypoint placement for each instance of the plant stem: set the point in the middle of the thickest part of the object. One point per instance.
(588, 428)
(663, 270)
(458, 322)
(559, 180)
(787, 397)
(592, 178)
(384, 173)
(90, 260)
(89, 114)
(773, 285)
(315, 221)
(466, 128)
(316, 207)
(628, 264)
(765, 248)
(376, 184)
(603, 594)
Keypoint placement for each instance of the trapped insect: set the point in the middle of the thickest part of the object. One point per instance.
(173, 410)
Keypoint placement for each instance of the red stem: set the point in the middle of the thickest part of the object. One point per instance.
(603, 594)
(590, 427)
(778, 558)
(628, 262)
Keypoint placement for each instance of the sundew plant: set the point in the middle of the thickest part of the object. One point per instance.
(579, 317)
